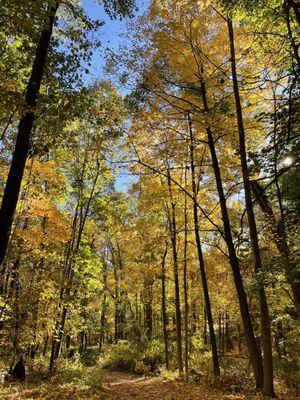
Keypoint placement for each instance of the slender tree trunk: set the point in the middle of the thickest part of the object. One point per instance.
(204, 326)
(81, 343)
(268, 386)
(173, 233)
(148, 317)
(16, 171)
(35, 310)
(227, 334)
(295, 5)
(86, 342)
(194, 317)
(164, 308)
(278, 233)
(46, 345)
(287, 6)
(185, 288)
(148, 308)
(59, 343)
(213, 341)
(16, 306)
(53, 348)
(278, 227)
(78, 225)
(117, 304)
(220, 334)
(119, 294)
(253, 349)
(68, 342)
(223, 334)
(103, 308)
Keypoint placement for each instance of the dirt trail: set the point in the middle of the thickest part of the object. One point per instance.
(120, 386)
(92, 384)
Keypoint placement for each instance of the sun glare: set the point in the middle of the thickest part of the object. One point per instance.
(288, 161)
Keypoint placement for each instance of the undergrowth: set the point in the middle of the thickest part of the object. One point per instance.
(71, 379)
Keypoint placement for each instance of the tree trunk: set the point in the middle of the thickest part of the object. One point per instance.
(220, 334)
(81, 343)
(164, 308)
(119, 294)
(86, 342)
(148, 309)
(116, 300)
(68, 342)
(213, 341)
(173, 233)
(52, 355)
(149, 321)
(194, 317)
(59, 342)
(16, 171)
(268, 386)
(204, 326)
(16, 306)
(103, 307)
(185, 289)
(78, 225)
(278, 232)
(46, 345)
(254, 352)
(228, 343)
(295, 5)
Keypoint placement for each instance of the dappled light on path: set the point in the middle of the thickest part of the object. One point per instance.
(120, 386)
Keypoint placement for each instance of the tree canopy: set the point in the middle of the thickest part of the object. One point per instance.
(149, 218)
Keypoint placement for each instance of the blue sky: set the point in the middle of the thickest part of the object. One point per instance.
(110, 35)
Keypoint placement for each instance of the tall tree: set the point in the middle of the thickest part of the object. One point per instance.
(16, 171)
(200, 253)
(10, 198)
(268, 387)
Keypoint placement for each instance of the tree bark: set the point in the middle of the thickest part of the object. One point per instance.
(78, 225)
(228, 343)
(148, 310)
(268, 385)
(185, 288)
(103, 307)
(278, 231)
(213, 341)
(164, 308)
(16, 171)
(204, 326)
(173, 233)
(253, 349)
(16, 306)
(295, 5)
(220, 334)
(45, 345)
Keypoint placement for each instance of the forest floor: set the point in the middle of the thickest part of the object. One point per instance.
(88, 385)
(120, 386)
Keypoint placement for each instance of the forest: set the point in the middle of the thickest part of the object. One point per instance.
(150, 199)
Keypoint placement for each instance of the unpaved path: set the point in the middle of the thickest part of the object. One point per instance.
(120, 386)
(93, 384)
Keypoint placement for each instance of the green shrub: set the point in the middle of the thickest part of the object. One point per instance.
(139, 358)
(123, 356)
(154, 355)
